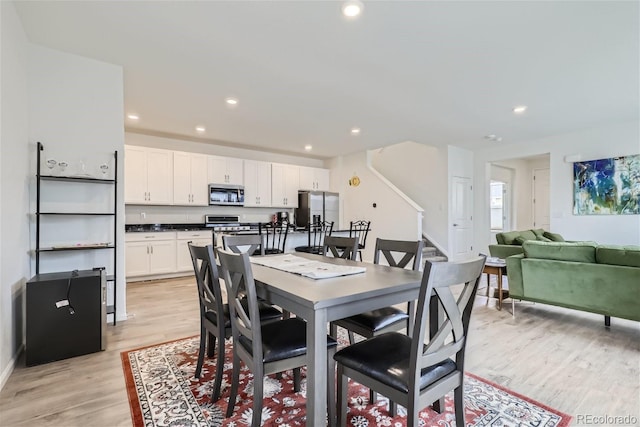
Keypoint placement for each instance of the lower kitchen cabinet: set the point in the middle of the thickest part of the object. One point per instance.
(150, 253)
(198, 238)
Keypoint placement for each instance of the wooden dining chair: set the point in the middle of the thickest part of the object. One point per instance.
(397, 253)
(360, 229)
(412, 373)
(215, 324)
(251, 243)
(274, 236)
(266, 348)
(340, 247)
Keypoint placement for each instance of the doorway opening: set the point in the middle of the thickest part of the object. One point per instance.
(498, 204)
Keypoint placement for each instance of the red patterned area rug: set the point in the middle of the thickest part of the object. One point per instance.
(163, 392)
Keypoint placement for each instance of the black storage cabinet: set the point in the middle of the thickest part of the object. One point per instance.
(55, 333)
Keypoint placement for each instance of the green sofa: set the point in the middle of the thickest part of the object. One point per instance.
(510, 242)
(579, 275)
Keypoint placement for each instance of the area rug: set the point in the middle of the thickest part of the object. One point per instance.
(163, 392)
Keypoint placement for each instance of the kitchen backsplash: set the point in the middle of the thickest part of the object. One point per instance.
(137, 214)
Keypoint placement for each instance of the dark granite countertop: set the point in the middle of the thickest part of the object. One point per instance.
(132, 228)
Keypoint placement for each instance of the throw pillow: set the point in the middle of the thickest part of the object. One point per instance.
(543, 239)
(539, 232)
(519, 240)
(555, 237)
(509, 237)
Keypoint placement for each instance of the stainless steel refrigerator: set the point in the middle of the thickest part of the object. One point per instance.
(314, 205)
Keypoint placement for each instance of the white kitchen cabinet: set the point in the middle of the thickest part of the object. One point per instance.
(190, 179)
(197, 238)
(285, 180)
(148, 176)
(257, 183)
(314, 179)
(150, 253)
(225, 170)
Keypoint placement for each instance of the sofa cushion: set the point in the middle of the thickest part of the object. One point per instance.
(519, 240)
(508, 237)
(555, 237)
(539, 232)
(543, 239)
(618, 255)
(528, 235)
(561, 251)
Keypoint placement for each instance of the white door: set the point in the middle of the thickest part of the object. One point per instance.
(462, 220)
(541, 198)
(199, 187)
(135, 175)
(136, 259)
(160, 177)
(181, 178)
(162, 258)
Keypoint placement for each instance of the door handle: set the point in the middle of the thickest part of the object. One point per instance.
(455, 225)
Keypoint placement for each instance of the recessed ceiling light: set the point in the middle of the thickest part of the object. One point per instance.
(200, 129)
(355, 131)
(520, 109)
(352, 8)
(308, 147)
(231, 101)
(493, 137)
(133, 116)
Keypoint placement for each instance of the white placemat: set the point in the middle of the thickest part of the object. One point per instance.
(306, 267)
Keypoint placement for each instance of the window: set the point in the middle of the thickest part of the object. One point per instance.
(497, 204)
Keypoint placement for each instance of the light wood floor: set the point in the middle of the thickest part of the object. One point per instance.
(563, 358)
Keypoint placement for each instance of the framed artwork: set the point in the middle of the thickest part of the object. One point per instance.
(607, 186)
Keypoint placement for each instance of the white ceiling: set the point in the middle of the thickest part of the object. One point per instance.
(430, 72)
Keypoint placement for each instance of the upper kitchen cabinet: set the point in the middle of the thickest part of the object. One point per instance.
(148, 176)
(225, 170)
(314, 178)
(190, 179)
(285, 181)
(257, 183)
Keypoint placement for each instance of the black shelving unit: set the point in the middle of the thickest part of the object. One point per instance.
(111, 309)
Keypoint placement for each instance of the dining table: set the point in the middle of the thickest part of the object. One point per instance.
(320, 301)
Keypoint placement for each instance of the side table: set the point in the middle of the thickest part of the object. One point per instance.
(498, 267)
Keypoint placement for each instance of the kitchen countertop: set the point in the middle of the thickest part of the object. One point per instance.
(134, 228)
(145, 228)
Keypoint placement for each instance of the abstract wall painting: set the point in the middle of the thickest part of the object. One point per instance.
(607, 186)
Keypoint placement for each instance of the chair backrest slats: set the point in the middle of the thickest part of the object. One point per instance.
(359, 229)
(340, 247)
(250, 243)
(275, 236)
(318, 231)
(207, 279)
(447, 337)
(238, 278)
(392, 248)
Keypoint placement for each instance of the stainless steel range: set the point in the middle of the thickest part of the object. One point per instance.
(226, 223)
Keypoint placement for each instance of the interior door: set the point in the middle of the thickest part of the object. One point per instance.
(541, 198)
(462, 220)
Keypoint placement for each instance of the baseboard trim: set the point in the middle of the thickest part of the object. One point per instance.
(8, 370)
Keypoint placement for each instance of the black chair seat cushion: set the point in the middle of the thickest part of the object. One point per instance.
(374, 320)
(283, 340)
(386, 359)
(267, 312)
(272, 251)
(310, 249)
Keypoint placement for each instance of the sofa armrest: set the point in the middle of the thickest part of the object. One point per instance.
(514, 275)
(504, 251)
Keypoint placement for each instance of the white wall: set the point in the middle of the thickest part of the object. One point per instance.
(424, 184)
(606, 141)
(76, 111)
(14, 189)
(394, 217)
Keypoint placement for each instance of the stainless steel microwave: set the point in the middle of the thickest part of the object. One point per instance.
(226, 195)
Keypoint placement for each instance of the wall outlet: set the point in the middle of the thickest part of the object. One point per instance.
(143, 215)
